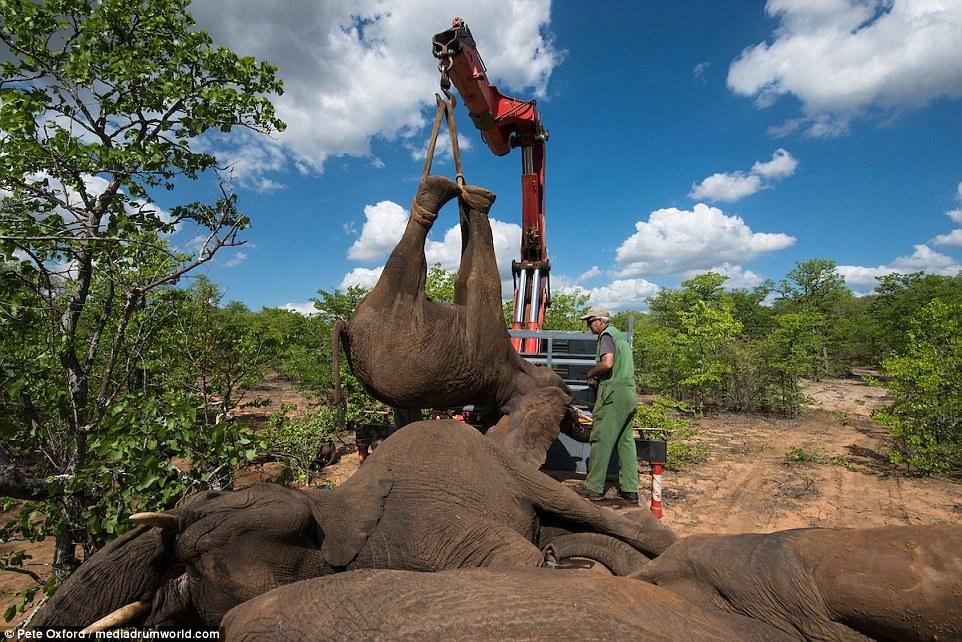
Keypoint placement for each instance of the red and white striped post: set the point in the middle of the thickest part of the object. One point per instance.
(656, 488)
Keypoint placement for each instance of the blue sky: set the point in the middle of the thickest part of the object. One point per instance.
(736, 136)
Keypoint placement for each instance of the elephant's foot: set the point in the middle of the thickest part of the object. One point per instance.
(477, 198)
(432, 194)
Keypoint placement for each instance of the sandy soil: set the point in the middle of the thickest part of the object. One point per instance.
(748, 482)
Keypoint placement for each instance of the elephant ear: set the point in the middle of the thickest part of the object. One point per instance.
(349, 514)
(532, 422)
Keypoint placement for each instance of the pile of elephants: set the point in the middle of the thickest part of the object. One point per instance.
(445, 533)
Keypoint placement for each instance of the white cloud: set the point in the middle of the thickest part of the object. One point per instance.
(673, 241)
(952, 239)
(845, 58)
(307, 308)
(236, 259)
(248, 162)
(923, 259)
(727, 187)
(591, 273)
(733, 186)
(364, 277)
(623, 294)
(382, 230)
(782, 165)
(354, 70)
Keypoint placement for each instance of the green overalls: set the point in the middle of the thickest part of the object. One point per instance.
(613, 419)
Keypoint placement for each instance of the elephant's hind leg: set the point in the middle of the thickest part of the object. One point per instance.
(406, 269)
(478, 286)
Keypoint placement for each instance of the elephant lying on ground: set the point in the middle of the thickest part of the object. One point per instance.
(411, 352)
(436, 495)
(482, 604)
(893, 582)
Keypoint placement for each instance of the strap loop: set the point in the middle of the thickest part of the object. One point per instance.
(445, 110)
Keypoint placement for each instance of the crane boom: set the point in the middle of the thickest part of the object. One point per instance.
(506, 123)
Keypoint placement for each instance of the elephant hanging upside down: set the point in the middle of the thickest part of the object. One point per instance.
(411, 352)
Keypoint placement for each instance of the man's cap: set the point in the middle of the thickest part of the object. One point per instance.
(595, 311)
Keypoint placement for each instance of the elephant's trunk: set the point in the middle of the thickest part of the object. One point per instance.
(617, 556)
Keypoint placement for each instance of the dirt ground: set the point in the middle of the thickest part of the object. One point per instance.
(748, 482)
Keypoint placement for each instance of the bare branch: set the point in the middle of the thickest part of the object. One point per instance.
(13, 569)
(105, 311)
(133, 298)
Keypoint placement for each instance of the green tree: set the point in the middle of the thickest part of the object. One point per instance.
(925, 379)
(705, 331)
(816, 288)
(667, 304)
(749, 308)
(300, 342)
(566, 310)
(215, 352)
(898, 299)
(335, 304)
(101, 105)
(684, 352)
(793, 350)
(816, 284)
(439, 284)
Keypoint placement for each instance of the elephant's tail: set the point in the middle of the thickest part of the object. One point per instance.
(338, 332)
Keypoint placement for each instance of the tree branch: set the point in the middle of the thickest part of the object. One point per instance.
(13, 483)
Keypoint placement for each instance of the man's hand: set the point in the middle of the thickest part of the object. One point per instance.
(593, 383)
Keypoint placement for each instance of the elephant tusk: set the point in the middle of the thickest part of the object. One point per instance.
(121, 616)
(159, 520)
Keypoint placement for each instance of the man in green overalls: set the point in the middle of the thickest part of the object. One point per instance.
(614, 412)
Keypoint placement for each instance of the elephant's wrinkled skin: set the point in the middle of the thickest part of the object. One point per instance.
(893, 582)
(481, 604)
(411, 352)
(436, 495)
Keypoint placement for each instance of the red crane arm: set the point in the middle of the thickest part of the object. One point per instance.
(506, 123)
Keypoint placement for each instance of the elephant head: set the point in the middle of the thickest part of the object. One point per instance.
(190, 565)
(893, 582)
(412, 352)
(434, 496)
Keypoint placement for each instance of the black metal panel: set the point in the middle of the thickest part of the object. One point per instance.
(652, 450)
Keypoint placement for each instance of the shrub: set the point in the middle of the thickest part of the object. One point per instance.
(925, 379)
(802, 456)
(303, 441)
(675, 421)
